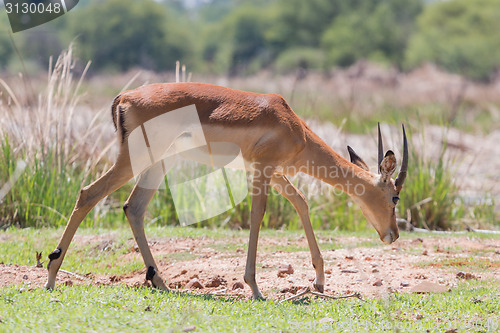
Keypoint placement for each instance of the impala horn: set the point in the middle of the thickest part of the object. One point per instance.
(380, 148)
(404, 165)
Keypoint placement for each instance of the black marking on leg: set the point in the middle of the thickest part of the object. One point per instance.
(125, 207)
(55, 254)
(150, 273)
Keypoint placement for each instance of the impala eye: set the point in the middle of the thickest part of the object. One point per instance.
(395, 200)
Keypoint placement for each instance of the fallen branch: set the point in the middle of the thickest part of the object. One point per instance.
(405, 225)
(481, 231)
(421, 203)
(219, 292)
(74, 274)
(315, 293)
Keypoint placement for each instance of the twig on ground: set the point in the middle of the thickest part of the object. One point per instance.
(39, 263)
(315, 293)
(219, 292)
(496, 232)
(467, 231)
(74, 274)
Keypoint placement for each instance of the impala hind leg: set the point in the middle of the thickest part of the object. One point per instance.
(114, 178)
(260, 188)
(297, 199)
(135, 208)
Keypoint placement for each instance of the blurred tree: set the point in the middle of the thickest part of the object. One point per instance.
(39, 44)
(35, 45)
(215, 10)
(126, 33)
(301, 23)
(300, 59)
(179, 6)
(233, 44)
(6, 49)
(460, 35)
(377, 30)
(247, 29)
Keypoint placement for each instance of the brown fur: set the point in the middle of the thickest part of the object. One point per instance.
(268, 133)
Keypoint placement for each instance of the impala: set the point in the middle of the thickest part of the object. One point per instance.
(274, 142)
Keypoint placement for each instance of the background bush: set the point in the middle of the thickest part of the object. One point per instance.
(459, 35)
(241, 37)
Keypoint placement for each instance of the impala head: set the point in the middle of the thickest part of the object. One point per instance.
(378, 202)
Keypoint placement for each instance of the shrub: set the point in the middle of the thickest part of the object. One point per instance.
(459, 35)
(300, 58)
(431, 198)
(42, 132)
(375, 30)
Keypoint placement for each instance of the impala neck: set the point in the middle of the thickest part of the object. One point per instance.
(322, 162)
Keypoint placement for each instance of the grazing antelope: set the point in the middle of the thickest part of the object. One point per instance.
(274, 142)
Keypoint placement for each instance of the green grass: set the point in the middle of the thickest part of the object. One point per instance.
(470, 263)
(45, 193)
(472, 306)
(41, 130)
(431, 195)
(429, 179)
(102, 249)
(99, 250)
(100, 257)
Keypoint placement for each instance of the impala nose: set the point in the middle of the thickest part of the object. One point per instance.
(390, 237)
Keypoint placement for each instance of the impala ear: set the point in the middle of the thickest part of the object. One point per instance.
(388, 165)
(355, 159)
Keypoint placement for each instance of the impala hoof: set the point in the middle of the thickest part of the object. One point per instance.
(319, 287)
(257, 296)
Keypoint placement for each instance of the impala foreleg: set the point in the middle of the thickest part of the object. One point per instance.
(90, 195)
(260, 188)
(135, 208)
(297, 199)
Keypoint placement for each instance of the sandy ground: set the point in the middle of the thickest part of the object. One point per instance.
(371, 271)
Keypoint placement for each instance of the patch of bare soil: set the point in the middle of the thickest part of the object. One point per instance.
(207, 266)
